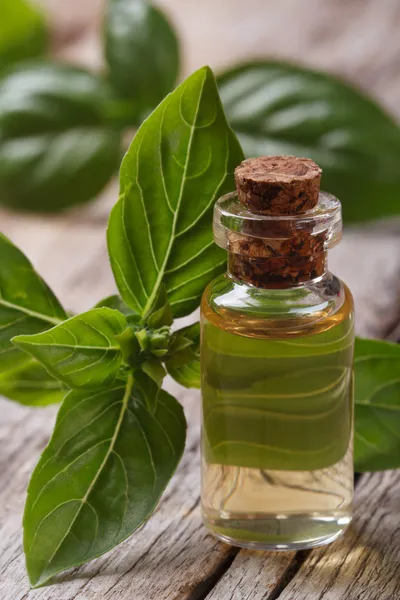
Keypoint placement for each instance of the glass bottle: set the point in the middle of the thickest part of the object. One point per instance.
(277, 380)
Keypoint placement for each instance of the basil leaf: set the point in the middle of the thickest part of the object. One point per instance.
(27, 305)
(180, 161)
(184, 364)
(82, 351)
(148, 382)
(161, 313)
(100, 477)
(377, 405)
(116, 303)
(29, 383)
(155, 370)
(278, 108)
(54, 130)
(187, 371)
(142, 54)
(23, 32)
(178, 343)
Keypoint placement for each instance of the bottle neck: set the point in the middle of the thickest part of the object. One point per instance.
(277, 251)
(277, 272)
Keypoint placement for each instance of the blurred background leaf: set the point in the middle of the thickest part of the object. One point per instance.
(60, 142)
(57, 146)
(279, 108)
(23, 32)
(142, 52)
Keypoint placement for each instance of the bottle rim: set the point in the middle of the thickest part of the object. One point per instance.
(231, 216)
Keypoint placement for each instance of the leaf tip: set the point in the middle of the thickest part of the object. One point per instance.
(204, 73)
(207, 71)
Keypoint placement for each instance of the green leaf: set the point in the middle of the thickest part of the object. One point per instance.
(148, 382)
(23, 32)
(154, 370)
(184, 364)
(100, 477)
(377, 405)
(82, 351)
(29, 383)
(278, 108)
(57, 147)
(130, 347)
(161, 313)
(180, 161)
(27, 305)
(142, 53)
(116, 303)
(178, 343)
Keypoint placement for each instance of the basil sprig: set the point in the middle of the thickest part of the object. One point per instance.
(119, 436)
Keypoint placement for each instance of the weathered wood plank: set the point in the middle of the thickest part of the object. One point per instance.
(254, 576)
(368, 260)
(364, 564)
(168, 557)
(172, 557)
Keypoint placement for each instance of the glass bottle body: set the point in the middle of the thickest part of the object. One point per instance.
(277, 389)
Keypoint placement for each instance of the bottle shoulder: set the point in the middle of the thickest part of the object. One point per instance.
(257, 312)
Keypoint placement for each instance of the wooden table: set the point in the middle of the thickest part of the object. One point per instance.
(173, 557)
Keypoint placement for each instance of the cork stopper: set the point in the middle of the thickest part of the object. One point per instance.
(278, 185)
(277, 226)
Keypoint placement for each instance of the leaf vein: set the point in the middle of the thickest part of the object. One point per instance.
(191, 259)
(106, 457)
(131, 251)
(175, 221)
(147, 445)
(199, 276)
(149, 234)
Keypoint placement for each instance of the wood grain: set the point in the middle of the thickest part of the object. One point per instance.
(365, 563)
(71, 254)
(172, 544)
(172, 557)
